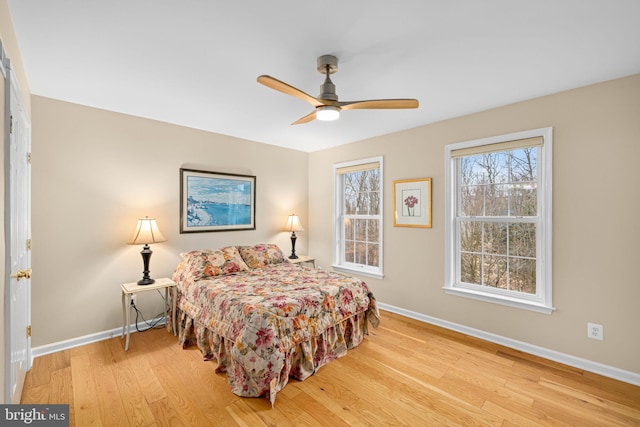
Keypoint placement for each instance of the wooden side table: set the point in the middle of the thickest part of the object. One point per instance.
(129, 289)
(302, 259)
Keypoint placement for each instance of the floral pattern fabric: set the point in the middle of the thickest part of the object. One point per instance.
(261, 255)
(214, 262)
(267, 324)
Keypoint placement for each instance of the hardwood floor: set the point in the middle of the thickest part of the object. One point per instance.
(404, 373)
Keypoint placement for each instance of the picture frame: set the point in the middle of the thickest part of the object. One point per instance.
(412, 203)
(215, 201)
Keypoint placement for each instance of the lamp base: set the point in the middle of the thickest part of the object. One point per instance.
(146, 256)
(293, 246)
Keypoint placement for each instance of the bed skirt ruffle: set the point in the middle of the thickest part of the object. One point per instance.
(300, 362)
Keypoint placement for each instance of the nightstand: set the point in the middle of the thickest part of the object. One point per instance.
(302, 259)
(132, 288)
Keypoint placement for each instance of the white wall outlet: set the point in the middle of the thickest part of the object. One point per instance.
(134, 300)
(595, 331)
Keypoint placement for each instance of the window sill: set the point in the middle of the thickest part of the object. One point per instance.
(360, 272)
(499, 299)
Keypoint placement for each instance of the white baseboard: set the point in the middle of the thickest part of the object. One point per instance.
(567, 359)
(576, 362)
(88, 339)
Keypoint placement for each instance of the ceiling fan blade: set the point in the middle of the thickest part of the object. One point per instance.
(306, 119)
(375, 104)
(280, 86)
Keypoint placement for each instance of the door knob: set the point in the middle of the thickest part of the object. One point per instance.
(23, 274)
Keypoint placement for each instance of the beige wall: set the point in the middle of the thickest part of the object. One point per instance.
(596, 201)
(95, 172)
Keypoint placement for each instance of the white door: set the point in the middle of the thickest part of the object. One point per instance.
(18, 201)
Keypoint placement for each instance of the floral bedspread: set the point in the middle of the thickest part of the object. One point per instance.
(267, 324)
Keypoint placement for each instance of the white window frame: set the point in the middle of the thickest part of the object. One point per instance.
(339, 262)
(542, 300)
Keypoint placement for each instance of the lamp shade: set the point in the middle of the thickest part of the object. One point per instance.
(293, 224)
(146, 232)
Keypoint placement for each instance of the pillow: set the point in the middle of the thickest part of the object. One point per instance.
(214, 262)
(261, 255)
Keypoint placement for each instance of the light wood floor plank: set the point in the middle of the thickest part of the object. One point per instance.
(404, 373)
(336, 400)
(165, 414)
(39, 373)
(61, 390)
(518, 416)
(85, 393)
(243, 415)
(35, 394)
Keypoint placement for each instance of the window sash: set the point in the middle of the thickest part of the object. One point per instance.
(508, 256)
(356, 237)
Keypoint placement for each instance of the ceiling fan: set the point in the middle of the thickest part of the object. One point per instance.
(327, 106)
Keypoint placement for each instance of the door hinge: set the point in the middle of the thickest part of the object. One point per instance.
(29, 331)
(29, 157)
(11, 123)
(28, 244)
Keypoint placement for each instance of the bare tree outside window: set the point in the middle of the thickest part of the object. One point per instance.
(361, 231)
(498, 219)
(498, 208)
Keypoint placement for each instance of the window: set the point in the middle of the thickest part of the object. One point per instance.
(498, 219)
(358, 216)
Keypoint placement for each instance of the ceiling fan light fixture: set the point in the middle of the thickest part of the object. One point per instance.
(327, 113)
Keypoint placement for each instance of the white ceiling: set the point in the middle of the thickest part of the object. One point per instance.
(195, 62)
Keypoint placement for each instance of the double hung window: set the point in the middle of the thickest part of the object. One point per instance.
(358, 216)
(498, 213)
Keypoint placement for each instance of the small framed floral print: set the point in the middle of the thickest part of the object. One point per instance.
(412, 203)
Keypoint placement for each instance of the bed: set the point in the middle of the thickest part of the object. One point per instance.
(264, 319)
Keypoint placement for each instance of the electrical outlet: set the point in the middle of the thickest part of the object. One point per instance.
(595, 331)
(134, 300)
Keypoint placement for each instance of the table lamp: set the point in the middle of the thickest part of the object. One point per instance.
(293, 225)
(146, 232)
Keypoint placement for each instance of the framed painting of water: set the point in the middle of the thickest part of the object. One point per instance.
(214, 201)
